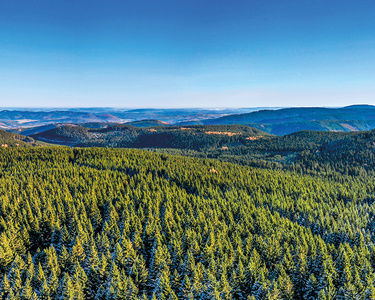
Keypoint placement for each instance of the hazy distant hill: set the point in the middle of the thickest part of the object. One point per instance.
(17, 118)
(274, 121)
(288, 120)
(175, 115)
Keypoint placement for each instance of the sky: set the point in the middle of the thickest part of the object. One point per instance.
(186, 53)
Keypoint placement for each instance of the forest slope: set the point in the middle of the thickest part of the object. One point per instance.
(116, 223)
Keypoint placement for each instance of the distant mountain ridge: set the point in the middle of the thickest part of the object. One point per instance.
(21, 118)
(288, 120)
(278, 121)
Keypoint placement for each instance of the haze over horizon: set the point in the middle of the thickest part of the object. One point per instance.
(186, 53)
(234, 108)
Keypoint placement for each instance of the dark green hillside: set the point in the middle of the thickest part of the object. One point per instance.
(128, 224)
(65, 134)
(180, 137)
(199, 138)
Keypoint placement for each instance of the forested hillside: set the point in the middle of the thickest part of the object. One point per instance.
(179, 137)
(312, 151)
(130, 224)
(8, 139)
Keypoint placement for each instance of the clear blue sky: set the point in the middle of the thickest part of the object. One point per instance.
(184, 53)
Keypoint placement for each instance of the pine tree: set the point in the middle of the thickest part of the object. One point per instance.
(44, 291)
(286, 285)
(186, 287)
(27, 291)
(66, 289)
(5, 287)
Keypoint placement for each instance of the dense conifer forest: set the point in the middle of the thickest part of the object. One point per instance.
(101, 223)
(313, 150)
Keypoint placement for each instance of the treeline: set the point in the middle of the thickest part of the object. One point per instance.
(130, 224)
